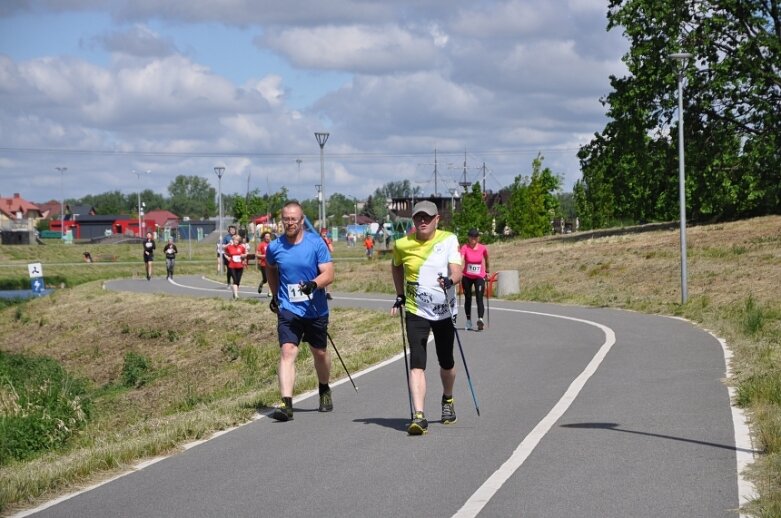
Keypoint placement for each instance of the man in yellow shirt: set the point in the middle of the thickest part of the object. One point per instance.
(426, 264)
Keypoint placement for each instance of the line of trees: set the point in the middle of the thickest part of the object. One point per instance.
(533, 200)
(732, 115)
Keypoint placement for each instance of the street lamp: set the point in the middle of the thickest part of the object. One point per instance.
(138, 174)
(219, 170)
(322, 138)
(682, 59)
(355, 214)
(319, 205)
(62, 200)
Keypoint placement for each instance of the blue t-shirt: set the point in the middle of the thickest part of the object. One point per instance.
(297, 263)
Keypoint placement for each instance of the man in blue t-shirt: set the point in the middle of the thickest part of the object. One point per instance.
(299, 267)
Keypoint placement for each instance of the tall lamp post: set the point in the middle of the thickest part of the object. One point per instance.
(682, 60)
(62, 200)
(322, 138)
(140, 214)
(219, 170)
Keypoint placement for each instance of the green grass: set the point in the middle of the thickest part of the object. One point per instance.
(41, 406)
(204, 375)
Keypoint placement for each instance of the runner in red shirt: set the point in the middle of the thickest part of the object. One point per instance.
(260, 255)
(236, 254)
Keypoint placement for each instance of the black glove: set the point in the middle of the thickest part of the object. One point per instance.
(447, 283)
(273, 305)
(400, 301)
(308, 287)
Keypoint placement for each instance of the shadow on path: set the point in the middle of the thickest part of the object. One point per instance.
(615, 427)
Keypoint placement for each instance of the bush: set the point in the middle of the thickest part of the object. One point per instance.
(136, 370)
(41, 406)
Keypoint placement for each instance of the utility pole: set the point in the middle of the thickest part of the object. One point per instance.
(436, 192)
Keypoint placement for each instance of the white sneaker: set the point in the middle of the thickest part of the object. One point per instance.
(468, 325)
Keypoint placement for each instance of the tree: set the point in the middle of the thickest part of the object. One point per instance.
(192, 196)
(473, 214)
(732, 114)
(152, 200)
(340, 205)
(113, 202)
(533, 203)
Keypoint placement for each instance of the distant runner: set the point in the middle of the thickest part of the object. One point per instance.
(475, 256)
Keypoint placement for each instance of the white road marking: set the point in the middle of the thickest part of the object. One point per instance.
(491, 486)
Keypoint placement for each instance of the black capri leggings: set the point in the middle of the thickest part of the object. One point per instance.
(235, 275)
(479, 285)
(417, 334)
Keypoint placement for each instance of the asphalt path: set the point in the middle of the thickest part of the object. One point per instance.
(584, 412)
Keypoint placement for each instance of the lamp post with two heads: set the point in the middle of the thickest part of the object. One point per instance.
(322, 138)
(219, 170)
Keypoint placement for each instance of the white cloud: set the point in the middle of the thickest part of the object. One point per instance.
(360, 49)
(502, 80)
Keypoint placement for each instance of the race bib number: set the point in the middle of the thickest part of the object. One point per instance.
(474, 268)
(294, 293)
(236, 258)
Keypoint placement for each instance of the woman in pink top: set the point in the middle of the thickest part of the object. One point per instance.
(475, 259)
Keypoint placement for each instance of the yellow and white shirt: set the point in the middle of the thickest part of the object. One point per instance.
(424, 262)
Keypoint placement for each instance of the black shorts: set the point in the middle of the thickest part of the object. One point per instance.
(417, 334)
(292, 329)
(236, 274)
(149, 258)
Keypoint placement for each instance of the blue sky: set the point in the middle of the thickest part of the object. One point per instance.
(177, 87)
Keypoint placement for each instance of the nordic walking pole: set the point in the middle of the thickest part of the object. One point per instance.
(406, 364)
(461, 350)
(333, 345)
(488, 307)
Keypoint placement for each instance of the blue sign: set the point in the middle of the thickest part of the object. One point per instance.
(37, 286)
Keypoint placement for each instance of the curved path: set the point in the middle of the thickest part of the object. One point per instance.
(584, 412)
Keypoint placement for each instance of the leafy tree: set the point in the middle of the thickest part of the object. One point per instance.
(533, 203)
(152, 200)
(192, 196)
(113, 202)
(732, 114)
(473, 214)
(340, 206)
(253, 204)
(311, 208)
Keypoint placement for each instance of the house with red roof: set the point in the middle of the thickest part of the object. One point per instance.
(16, 213)
(163, 219)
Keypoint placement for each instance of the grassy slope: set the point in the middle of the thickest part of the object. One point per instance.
(214, 361)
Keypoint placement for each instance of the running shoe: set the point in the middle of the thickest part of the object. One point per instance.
(419, 425)
(260, 289)
(328, 296)
(282, 413)
(326, 402)
(468, 325)
(480, 324)
(448, 411)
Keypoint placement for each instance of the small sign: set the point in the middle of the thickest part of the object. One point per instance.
(36, 285)
(35, 269)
